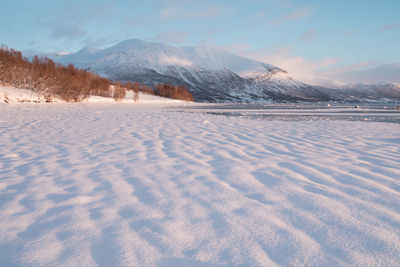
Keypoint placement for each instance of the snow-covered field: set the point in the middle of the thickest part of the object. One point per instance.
(146, 185)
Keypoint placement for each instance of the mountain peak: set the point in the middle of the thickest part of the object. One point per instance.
(132, 41)
(137, 43)
(88, 50)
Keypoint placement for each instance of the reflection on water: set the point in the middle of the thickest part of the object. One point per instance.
(294, 112)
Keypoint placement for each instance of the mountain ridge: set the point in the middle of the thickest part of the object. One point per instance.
(363, 92)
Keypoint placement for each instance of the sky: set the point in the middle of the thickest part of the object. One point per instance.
(316, 41)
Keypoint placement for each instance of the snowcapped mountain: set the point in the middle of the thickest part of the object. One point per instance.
(211, 74)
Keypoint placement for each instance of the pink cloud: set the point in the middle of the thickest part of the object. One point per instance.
(298, 14)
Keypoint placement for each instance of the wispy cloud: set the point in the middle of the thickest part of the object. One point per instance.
(260, 14)
(388, 27)
(326, 71)
(350, 33)
(69, 21)
(298, 67)
(173, 12)
(67, 30)
(308, 36)
(212, 31)
(298, 14)
(239, 48)
(284, 3)
(368, 72)
(301, 13)
(352, 67)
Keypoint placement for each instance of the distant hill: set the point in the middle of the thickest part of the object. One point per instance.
(361, 92)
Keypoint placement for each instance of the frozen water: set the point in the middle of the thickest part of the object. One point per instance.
(306, 112)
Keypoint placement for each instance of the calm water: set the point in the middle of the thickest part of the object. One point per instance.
(292, 112)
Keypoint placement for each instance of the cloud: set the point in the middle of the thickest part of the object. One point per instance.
(63, 53)
(308, 36)
(388, 27)
(298, 14)
(237, 48)
(302, 13)
(173, 12)
(193, 9)
(351, 67)
(298, 67)
(70, 20)
(357, 73)
(172, 37)
(212, 31)
(284, 3)
(261, 14)
(326, 71)
(66, 30)
(350, 33)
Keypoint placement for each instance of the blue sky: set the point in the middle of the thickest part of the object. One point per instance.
(311, 39)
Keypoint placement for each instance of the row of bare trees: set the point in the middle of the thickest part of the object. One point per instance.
(175, 92)
(51, 79)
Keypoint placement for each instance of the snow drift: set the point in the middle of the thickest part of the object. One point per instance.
(112, 185)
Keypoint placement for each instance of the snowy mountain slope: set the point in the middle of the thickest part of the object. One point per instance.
(384, 92)
(280, 86)
(211, 74)
(157, 56)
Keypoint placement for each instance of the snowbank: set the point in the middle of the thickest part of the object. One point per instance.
(11, 95)
(143, 99)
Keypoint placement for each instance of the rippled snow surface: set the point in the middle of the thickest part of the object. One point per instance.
(129, 185)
